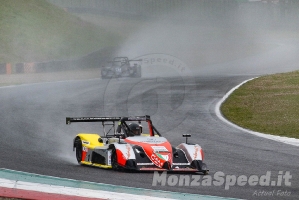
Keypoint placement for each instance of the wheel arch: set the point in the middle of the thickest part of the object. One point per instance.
(76, 141)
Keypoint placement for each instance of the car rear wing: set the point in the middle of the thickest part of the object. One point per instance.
(136, 60)
(121, 121)
(69, 120)
(111, 61)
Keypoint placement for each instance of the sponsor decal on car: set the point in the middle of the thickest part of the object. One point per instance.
(181, 163)
(154, 169)
(85, 142)
(155, 159)
(128, 147)
(145, 163)
(153, 140)
(159, 149)
(195, 152)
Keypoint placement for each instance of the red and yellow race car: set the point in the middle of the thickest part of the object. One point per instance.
(125, 145)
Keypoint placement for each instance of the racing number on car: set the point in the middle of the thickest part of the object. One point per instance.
(118, 69)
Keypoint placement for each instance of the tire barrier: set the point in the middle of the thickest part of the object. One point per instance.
(91, 60)
(29, 67)
(2, 68)
(38, 67)
(5, 68)
(19, 67)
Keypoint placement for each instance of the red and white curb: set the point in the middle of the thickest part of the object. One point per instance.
(27, 190)
(24, 185)
(28, 194)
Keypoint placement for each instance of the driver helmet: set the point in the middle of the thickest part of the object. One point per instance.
(135, 128)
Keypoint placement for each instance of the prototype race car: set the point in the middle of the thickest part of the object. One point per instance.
(121, 67)
(126, 146)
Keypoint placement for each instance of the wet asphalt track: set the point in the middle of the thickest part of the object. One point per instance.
(34, 137)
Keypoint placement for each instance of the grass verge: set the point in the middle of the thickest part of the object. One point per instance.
(268, 104)
(35, 30)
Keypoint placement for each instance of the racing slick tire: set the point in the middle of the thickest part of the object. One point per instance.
(202, 167)
(78, 147)
(114, 163)
(104, 74)
(135, 72)
(138, 72)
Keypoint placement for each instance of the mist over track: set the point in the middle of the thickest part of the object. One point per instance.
(34, 137)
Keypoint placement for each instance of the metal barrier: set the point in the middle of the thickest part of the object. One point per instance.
(2, 68)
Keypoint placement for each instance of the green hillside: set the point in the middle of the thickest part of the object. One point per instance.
(35, 30)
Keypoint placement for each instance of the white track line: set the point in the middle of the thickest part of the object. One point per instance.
(291, 141)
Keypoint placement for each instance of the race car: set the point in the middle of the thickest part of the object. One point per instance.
(124, 145)
(121, 67)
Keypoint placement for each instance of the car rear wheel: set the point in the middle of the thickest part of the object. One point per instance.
(206, 172)
(78, 147)
(104, 74)
(138, 72)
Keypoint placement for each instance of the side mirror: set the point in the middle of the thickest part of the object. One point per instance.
(186, 136)
(118, 130)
